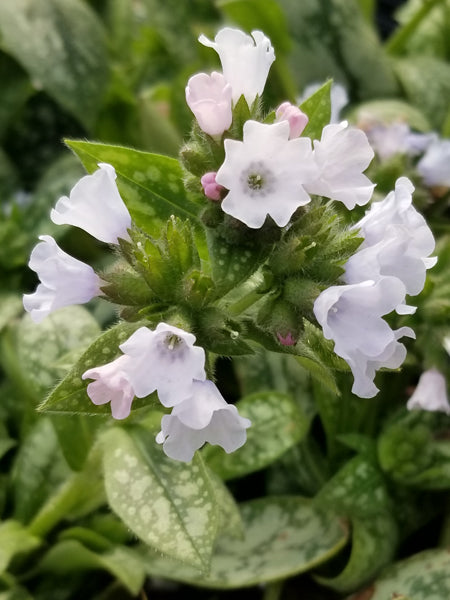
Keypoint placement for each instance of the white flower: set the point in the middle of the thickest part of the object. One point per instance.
(294, 116)
(341, 156)
(95, 205)
(265, 174)
(64, 280)
(397, 242)
(245, 59)
(430, 393)
(204, 417)
(434, 166)
(209, 98)
(111, 385)
(338, 97)
(165, 360)
(351, 316)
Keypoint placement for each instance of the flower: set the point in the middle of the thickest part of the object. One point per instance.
(294, 116)
(397, 241)
(396, 138)
(111, 385)
(265, 174)
(434, 166)
(351, 316)
(203, 417)
(341, 156)
(430, 393)
(95, 205)
(245, 59)
(209, 98)
(212, 189)
(165, 360)
(64, 280)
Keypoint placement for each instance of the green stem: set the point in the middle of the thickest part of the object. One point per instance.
(243, 303)
(273, 590)
(398, 41)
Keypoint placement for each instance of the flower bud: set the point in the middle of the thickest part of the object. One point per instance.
(294, 116)
(209, 98)
(212, 189)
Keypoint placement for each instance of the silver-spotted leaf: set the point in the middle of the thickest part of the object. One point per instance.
(151, 185)
(283, 536)
(169, 505)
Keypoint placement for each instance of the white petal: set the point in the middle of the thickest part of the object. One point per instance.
(430, 393)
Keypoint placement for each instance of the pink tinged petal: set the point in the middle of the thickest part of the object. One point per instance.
(430, 393)
(265, 174)
(211, 188)
(64, 280)
(245, 59)
(95, 205)
(209, 98)
(294, 116)
(286, 340)
(112, 385)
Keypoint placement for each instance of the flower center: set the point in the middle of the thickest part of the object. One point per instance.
(172, 341)
(257, 179)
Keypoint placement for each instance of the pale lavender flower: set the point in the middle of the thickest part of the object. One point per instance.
(341, 156)
(265, 174)
(164, 360)
(112, 385)
(95, 205)
(209, 98)
(430, 393)
(245, 59)
(434, 166)
(351, 316)
(203, 417)
(64, 280)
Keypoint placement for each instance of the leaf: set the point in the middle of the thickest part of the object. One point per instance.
(76, 435)
(426, 83)
(10, 307)
(70, 556)
(277, 425)
(283, 536)
(38, 469)
(421, 577)
(33, 349)
(70, 395)
(358, 492)
(62, 46)
(151, 185)
(318, 109)
(230, 520)
(169, 505)
(14, 539)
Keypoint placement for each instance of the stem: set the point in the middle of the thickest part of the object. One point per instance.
(243, 303)
(273, 590)
(399, 40)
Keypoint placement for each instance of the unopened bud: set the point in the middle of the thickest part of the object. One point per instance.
(296, 118)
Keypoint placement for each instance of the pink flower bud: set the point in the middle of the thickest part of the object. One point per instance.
(209, 98)
(286, 340)
(212, 190)
(294, 116)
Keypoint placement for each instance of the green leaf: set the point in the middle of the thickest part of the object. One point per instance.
(358, 493)
(76, 435)
(277, 425)
(10, 307)
(16, 89)
(230, 520)
(61, 44)
(14, 539)
(70, 395)
(283, 536)
(70, 556)
(169, 505)
(426, 84)
(32, 350)
(318, 109)
(421, 577)
(151, 185)
(39, 468)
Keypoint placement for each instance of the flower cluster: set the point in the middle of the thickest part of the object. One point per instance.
(272, 171)
(167, 361)
(390, 263)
